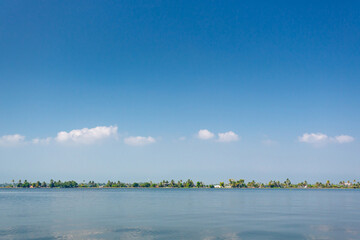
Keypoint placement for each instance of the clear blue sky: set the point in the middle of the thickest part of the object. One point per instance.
(282, 76)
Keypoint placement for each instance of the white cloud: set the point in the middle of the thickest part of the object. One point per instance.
(344, 139)
(87, 135)
(182, 138)
(9, 140)
(313, 138)
(228, 137)
(139, 141)
(205, 134)
(41, 140)
(320, 138)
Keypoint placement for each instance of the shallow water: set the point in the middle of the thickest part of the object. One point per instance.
(179, 214)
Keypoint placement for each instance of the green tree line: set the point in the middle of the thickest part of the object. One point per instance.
(241, 183)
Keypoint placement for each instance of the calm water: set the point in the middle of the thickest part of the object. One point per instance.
(179, 214)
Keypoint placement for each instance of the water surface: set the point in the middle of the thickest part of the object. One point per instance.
(179, 214)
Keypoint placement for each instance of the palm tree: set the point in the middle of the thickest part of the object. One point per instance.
(328, 183)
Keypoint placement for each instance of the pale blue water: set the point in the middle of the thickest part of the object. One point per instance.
(179, 214)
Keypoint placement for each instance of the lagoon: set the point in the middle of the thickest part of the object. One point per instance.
(180, 214)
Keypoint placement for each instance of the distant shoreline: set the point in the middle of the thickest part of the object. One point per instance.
(347, 188)
(240, 184)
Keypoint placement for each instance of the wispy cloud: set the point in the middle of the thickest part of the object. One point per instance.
(313, 138)
(229, 136)
(320, 138)
(269, 142)
(10, 140)
(41, 140)
(205, 134)
(87, 135)
(344, 139)
(139, 140)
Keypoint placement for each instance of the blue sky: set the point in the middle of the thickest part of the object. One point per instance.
(137, 81)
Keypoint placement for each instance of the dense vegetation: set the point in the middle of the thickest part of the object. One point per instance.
(179, 184)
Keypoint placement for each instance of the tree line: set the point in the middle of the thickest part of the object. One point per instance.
(179, 184)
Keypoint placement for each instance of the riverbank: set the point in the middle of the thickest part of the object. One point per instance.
(184, 184)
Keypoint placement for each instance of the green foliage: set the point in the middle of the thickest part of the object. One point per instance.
(189, 183)
(237, 184)
(146, 185)
(253, 184)
(287, 183)
(52, 184)
(180, 184)
(26, 184)
(274, 184)
(173, 184)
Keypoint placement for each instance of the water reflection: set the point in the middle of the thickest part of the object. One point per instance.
(179, 214)
(148, 233)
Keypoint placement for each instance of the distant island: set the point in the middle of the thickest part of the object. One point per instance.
(179, 184)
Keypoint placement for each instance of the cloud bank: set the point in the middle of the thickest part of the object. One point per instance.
(92, 135)
(87, 135)
(320, 138)
(139, 141)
